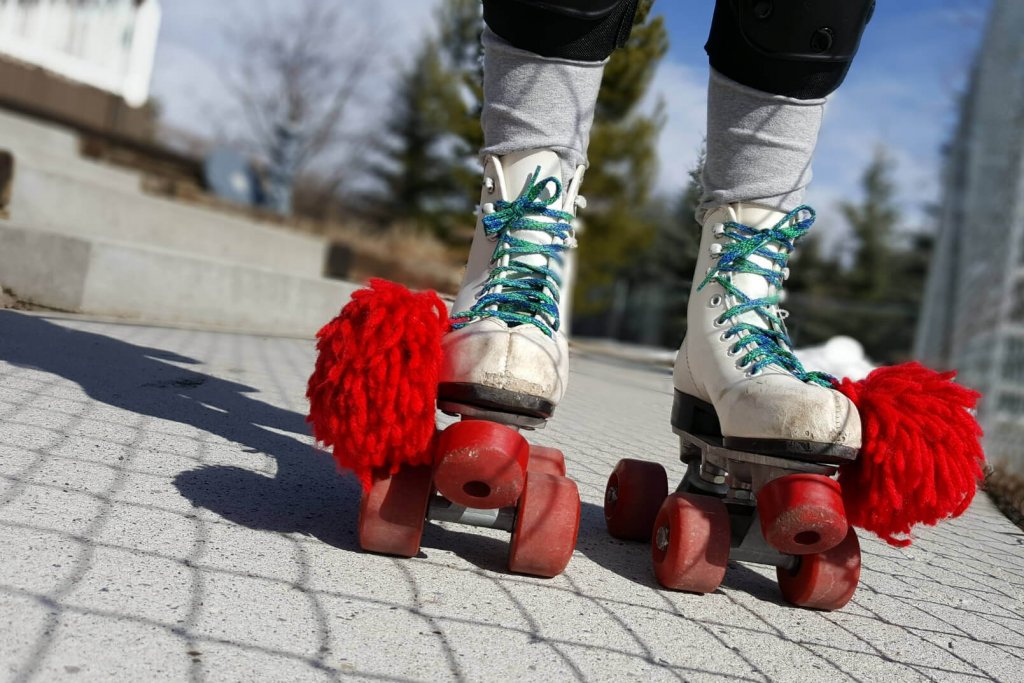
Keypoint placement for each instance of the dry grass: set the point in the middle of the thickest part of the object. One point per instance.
(10, 300)
(398, 241)
(7, 299)
(1006, 490)
(400, 252)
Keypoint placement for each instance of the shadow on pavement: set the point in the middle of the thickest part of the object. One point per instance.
(306, 495)
(629, 559)
(632, 559)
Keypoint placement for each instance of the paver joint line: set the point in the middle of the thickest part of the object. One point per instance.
(200, 518)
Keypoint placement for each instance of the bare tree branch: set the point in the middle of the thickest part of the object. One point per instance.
(303, 67)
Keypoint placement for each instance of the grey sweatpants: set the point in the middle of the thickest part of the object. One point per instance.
(534, 102)
(759, 146)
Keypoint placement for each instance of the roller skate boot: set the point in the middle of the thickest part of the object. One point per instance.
(504, 369)
(761, 436)
(507, 352)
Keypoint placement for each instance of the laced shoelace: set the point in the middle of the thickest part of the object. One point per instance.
(770, 343)
(527, 294)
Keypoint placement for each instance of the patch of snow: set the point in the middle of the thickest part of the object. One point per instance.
(839, 356)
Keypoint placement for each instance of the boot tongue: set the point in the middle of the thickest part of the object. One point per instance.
(518, 172)
(519, 168)
(755, 286)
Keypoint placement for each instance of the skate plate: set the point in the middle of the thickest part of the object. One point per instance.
(477, 413)
(748, 471)
(740, 506)
(485, 475)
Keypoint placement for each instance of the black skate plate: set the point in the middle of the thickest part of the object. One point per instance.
(807, 451)
(697, 417)
(497, 400)
(694, 416)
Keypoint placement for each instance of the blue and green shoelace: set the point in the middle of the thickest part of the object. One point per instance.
(521, 293)
(770, 344)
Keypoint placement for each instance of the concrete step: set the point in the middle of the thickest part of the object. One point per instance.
(17, 131)
(50, 146)
(159, 285)
(85, 170)
(37, 144)
(48, 198)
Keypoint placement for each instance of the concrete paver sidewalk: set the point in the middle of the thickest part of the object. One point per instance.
(163, 517)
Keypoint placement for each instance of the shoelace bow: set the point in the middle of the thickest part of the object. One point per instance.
(771, 343)
(529, 294)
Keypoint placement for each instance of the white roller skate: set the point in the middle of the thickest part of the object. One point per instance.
(736, 369)
(507, 355)
(761, 436)
(504, 367)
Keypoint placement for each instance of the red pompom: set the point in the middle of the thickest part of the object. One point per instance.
(921, 456)
(372, 395)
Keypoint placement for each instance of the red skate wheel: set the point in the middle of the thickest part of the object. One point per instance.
(824, 580)
(636, 489)
(481, 464)
(547, 522)
(802, 514)
(548, 460)
(392, 513)
(690, 543)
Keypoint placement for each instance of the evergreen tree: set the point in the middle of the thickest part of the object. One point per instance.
(674, 254)
(622, 165)
(873, 222)
(429, 173)
(871, 312)
(460, 23)
(811, 293)
(875, 300)
(414, 173)
(816, 284)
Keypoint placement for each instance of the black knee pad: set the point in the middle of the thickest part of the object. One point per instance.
(796, 48)
(583, 30)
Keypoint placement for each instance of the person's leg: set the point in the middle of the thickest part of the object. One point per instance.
(773, 64)
(537, 103)
(543, 63)
(759, 146)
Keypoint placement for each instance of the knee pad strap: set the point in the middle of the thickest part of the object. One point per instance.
(797, 48)
(582, 30)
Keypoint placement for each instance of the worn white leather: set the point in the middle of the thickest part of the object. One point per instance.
(771, 404)
(488, 352)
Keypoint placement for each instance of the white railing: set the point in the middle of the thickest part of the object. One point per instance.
(108, 44)
(973, 319)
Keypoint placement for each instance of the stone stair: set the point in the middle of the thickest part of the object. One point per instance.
(82, 236)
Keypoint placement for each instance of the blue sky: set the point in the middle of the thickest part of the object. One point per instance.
(901, 91)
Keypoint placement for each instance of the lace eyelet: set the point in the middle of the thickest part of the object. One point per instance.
(752, 372)
(489, 185)
(715, 301)
(718, 322)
